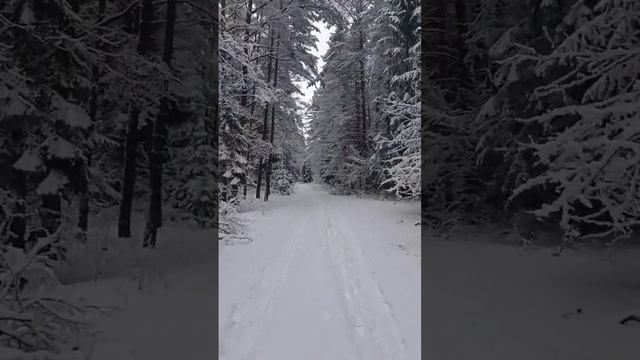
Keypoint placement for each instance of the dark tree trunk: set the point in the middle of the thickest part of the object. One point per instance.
(362, 95)
(50, 212)
(158, 138)
(83, 206)
(154, 218)
(265, 121)
(253, 107)
(124, 220)
(267, 190)
(243, 100)
(145, 45)
(212, 127)
(84, 198)
(462, 71)
(245, 87)
(439, 62)
(259, 182)
(18, 226)
(145, 35)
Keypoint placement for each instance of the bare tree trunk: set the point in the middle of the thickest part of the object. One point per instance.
(265, 120)
(267, 190)
(363, 98)
(145, 44)
(155, 182)
(83, 206)
(463, 73)
(253, 107)
(50, 215)
(18, 226)
(145, 34)
(212, 96)
(128, 183)
(158, 138)
(246, 90)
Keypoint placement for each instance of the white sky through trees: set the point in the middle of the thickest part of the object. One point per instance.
(322, 44)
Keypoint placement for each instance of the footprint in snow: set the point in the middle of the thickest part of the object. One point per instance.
(577, 311)
(630, 320)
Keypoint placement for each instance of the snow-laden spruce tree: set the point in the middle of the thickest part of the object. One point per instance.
(488, 20)
(577, 122)
(197, 188)
(340, 120)
(242, 88)
(399, 143)
(75, 75)
(265, 49)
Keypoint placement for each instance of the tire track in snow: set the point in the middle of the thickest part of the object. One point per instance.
(247, 320)
(378, 336)
(353, 318)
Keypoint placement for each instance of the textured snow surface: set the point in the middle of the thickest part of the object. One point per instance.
(487, 301)
(335, 277)
(326, 277)
(172, 316)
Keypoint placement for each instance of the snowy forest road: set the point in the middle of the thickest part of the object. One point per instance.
(326, 281)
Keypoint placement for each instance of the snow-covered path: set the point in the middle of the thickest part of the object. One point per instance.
(326, 277)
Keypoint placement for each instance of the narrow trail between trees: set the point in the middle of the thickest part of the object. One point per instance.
(326, 277)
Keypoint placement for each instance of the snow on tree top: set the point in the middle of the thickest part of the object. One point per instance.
(62, 149)
(14, 107)
(547, 3)
(53, 183)
(29, 161)
(26, 16)
(241, 159)
(12, 103)
(70, 113)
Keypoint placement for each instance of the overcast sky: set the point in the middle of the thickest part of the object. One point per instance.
(323, 39)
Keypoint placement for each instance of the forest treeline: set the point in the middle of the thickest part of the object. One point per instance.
(106, 107)
(533, 105)
(365, 115)
(518, 105)
(104, 102)
(362, 106)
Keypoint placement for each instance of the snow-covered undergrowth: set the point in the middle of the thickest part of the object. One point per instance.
(33, 321)
(107, 256)
(231, 224)
(160, 298)
(103, 286)
(487, 300)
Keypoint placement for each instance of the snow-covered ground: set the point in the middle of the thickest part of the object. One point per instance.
(165, 297)
(336, 277)
(325, 278)
(484, 300)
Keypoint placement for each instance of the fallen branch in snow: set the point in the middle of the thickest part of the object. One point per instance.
(232, 228)
(29, 321)
(630, 318)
